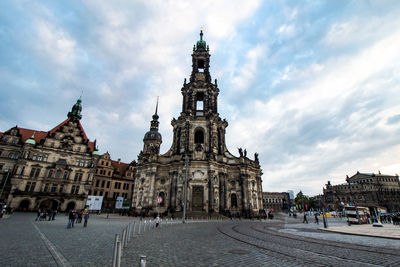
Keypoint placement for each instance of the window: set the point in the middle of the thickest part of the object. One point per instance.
(199, 137)
(40, 157)
(200, 65)
(13, 155)
(46, 188)
(22, 170)
(106, 195)
(97, 183)
(52, 144)
(75, 189)
(115, 195)
(61, 189)
(27, 186)
(95, 193)
(78, 149)
(108, 184)
(109, 173)
(51, 172)
(45, 157)
(26, 154)
(199, 104)
(100, 193)
(78, 177)
(34, 157)
(54, 188)
(58, 174)
(34, 172)
(14, 141)
(103, 183)
(66, 175)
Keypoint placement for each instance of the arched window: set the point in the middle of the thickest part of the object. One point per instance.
(199, 137)
(200, 104)
(162, 195)
(233, 201)
(200, 65)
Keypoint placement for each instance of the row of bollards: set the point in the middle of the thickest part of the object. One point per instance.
(139, 227)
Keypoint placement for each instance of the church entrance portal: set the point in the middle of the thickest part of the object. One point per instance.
(197, 198)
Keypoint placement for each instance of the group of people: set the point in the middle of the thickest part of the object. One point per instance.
(46, 214)
(76, 217)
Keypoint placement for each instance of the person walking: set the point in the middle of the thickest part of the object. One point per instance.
(85, 217)
(38, 215)
(305, 218)
(71, 219)
(316, 218)
(157, 221)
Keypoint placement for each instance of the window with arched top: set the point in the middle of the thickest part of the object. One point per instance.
(199, 103)
(199, 137)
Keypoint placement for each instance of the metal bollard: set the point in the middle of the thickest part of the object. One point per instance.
(126, 236)
(123, 238)
(144, 226)
(119, 254)
(142, 261)
(129, 232)
(115, 250)
(140, 223)
(134, 228)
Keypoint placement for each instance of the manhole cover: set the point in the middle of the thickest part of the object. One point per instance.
(239, 251)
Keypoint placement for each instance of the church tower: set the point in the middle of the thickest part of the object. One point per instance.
(217, 181)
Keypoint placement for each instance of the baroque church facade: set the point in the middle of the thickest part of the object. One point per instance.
(52, 169)
(217, 181)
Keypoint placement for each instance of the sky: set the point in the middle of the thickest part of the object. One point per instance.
(312, 86)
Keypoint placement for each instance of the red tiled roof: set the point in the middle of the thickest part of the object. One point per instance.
(40, 135)
(27, 133)
(121, 166)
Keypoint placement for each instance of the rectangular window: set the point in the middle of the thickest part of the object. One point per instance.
(72, 189)
(46, 188)
(77, 189)
(27, 186)
(66, 175)
(34, 157)
(100, 193)
(45, 157)
(32, 187)
(116, 185)
(54, 188)
(97, 183)
(103, 183)
(95, 193)
(108, 184)
(22, 170)
(61, 189)
(51, 172)
(40, 157)
(32, 174)
(115, 195)
(106, 195)
(37, 173)
(26, 154)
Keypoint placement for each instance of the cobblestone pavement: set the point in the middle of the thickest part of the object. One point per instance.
(283, 241)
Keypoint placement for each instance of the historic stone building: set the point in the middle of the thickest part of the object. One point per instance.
(278, 201)
(113, 179)
(217, 180)
(51, 169)
(365, 189)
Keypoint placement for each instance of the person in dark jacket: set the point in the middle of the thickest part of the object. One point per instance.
(71, 218)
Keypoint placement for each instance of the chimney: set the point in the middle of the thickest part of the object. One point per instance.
(119, 161)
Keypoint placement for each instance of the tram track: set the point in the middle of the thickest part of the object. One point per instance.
(307, 251)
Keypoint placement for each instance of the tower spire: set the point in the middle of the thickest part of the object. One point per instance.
(156, 106)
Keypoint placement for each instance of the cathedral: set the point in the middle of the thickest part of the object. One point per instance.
(215, 180)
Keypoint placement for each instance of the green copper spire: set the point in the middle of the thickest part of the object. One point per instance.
(201, 44)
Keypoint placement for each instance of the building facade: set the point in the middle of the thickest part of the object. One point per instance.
(217, 181)
(365, 189)
(51, 169)
(277, 201)
(113, 179)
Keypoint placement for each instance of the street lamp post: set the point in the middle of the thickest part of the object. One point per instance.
(355, 202)
(323, 212)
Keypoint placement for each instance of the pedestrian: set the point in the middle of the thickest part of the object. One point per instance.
(38, 215)
(85, 217)
(54, 215)
(305, 218)
(50, 214)
(157, 220)
(316, 218)
(71, 218)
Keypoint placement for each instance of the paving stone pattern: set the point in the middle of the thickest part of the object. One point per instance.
(279, 242)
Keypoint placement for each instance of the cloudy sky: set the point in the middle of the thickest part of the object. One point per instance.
(312, 86)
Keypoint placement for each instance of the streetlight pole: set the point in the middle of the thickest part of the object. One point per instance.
(185, 188)
(355, 202)
(323, 213)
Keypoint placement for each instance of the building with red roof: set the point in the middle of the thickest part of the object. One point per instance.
(47, 169)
